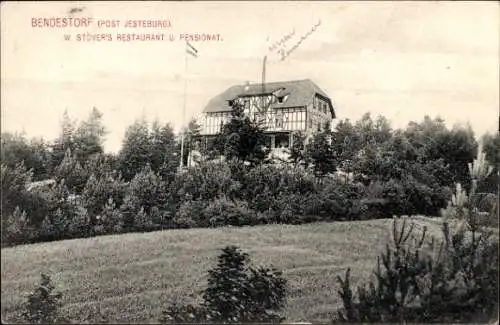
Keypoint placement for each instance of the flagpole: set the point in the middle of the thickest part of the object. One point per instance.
(184, 109)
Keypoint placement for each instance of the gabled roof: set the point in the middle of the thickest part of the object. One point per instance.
(301, 93)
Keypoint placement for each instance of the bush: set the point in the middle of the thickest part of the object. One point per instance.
(98, 190)
(236, 292)
(15, 229)
(223, 212)
(42, 306)
(455, 280)
(110, 221)
(266, 184)
(190, 214)
(239, 293)
(146, 191)
(457, 283)
(206, 181)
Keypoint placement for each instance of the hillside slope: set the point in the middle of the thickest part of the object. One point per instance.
(131, 277)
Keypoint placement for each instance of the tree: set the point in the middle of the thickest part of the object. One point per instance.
(321, 152)
(13, 190)
(298, 154)
(164, 150)
(145, 191)
(65, 140)
(33, 153)
(135, 153)
(89, 136)
(346, 145)
(71, 172)
(491, 145)
(190, 139)
(43, 304)
(457, 147)
(242, 138)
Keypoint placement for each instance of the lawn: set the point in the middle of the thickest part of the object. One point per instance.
(131, 277)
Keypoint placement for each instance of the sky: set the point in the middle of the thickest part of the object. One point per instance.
(402, 60)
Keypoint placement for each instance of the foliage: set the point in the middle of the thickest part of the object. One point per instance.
(242, 138)
(452, 279)
(223, 211)
(320, 152)
(191, 214)
(13, 189)
(33, 153)
(110, 219)
(135, 151)
(164, 155)
(298, 153)
(83, 140)
(99, 190)
(89, 136)
(206, 181)
(146, 191)
(190, 139)
(491, 147)
(71, 172)
(42, 305)
(236, 292)
(16, 229)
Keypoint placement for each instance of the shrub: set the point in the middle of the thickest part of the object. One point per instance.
(206, 181)
(13, 191)
(146, 191)
(143, 221)
(223, 212)
(110, 221)
(190, 214)
(454, 280)
(15, 229)
(413, 284)
(98, 190)
(266, 184)
(65, 224)
(236, 292)
(71, 171)
(42, 306)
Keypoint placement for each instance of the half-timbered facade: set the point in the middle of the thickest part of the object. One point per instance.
(283, 108)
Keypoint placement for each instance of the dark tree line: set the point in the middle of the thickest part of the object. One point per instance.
(389, 171)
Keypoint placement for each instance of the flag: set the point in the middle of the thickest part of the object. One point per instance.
(190, 49)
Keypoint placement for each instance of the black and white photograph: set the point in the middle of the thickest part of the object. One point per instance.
(244, 162)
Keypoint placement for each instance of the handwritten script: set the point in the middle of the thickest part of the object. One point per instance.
(280, 44)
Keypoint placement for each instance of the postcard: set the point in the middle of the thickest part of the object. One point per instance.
(249, 161)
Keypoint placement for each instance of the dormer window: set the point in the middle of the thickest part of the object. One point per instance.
(230, 102)
(282, 99)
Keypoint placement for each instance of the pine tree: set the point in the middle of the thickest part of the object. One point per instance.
(89, 137)
(43, 304)
(135, 153)
(242, 138)
(190, 140)
(164, 150)
(65, 141)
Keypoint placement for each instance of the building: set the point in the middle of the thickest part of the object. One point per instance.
(283, 108)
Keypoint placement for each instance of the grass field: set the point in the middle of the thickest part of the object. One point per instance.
(131, 277)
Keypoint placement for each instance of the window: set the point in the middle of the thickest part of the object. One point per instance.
(311, 124)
